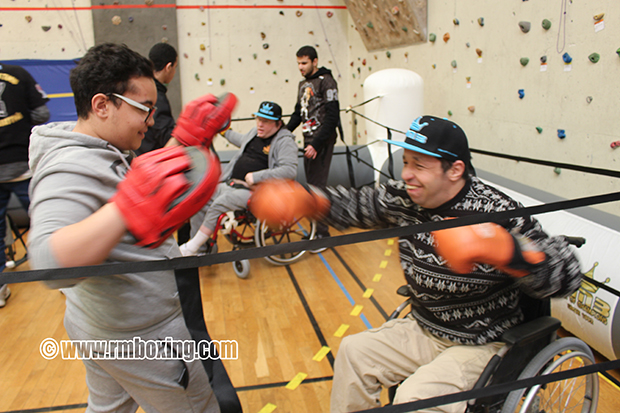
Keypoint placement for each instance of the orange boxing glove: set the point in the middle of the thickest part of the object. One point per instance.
(281, 202)
(486, 243)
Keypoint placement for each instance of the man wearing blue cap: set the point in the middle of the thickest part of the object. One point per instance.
(267, 151)
(465, 296)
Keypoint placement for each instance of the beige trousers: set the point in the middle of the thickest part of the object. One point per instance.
(401, 350)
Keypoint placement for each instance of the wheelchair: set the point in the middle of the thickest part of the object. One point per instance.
(242, 230)
(532, 349)
(13, 236)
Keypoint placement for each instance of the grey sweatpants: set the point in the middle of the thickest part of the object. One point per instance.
(122, 385)
(223, 200)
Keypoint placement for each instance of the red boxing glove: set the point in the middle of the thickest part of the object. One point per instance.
(486, 243)
(163, 189)
(202, 118)
(280, 203)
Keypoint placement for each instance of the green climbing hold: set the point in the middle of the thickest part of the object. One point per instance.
(594, 57)
(370, 25)
(524, 61)
(432, 37)
(388, 54)
(222, 82)
(618, 51)
(481, 21)
(546, 24)
(404, 29)
(538, 129)
(453, 63)
(449, 113)
(557, 170)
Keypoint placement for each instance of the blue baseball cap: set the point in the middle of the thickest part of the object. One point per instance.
(436, 137)
(269, 110)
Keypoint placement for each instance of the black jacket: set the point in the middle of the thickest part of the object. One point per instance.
(158, 134)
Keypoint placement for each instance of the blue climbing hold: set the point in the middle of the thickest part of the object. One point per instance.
(561, 133)
(521, 93)
(566, 57)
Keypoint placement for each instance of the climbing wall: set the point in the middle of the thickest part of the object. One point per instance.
(389, 23)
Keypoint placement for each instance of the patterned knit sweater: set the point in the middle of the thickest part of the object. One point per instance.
(474, 308)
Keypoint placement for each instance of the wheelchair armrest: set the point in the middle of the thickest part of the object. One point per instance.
(404, 290)
(531, 331)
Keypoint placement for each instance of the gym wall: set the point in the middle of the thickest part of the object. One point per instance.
(248, 48)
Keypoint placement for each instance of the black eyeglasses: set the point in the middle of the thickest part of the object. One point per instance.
(131, 102)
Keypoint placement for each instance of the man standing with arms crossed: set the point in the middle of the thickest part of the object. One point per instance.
(317, 109)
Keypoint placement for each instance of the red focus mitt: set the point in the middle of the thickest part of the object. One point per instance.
(486, 243)
(163, 189)
(280, 202)
(202, 118)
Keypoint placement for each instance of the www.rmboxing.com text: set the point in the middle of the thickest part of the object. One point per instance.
(139, 349)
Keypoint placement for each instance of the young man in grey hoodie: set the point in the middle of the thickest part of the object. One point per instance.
(79, 170)
(267, 151)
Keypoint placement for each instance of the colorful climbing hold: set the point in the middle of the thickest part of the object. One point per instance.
(479, 52)
(525, 26)
(298, 13)
(446, 37)
(539, 129)
(456, 21)
(395, 10)
(329, 14)
(521, 93)
(594, 57)
(599, 16)
(543, 59)
(254, 56)
(449, 113)
(481, 21)
(472, 109)
(116, 20)
(566, 57)
(28, 18)
(615, 144)
(589, 99)
(197, 76)
(467, 44)
(203, 47)
(268, 61)
(524, 61)
(201, 60)
(546, 24)
(561, 133)
(453, 64)
(222, 82)
(370, 25)
(557, 170)
(148, 2)
(262, 35)
(46, 28)
(432, 37)
(388, 54)
(265, 46)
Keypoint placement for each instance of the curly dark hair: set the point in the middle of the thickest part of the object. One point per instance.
(307, 51)
(106, 68)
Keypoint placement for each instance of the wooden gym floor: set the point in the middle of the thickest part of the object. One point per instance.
(283, 318)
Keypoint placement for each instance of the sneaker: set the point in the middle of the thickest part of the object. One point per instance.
(5, 293)
(320, 249)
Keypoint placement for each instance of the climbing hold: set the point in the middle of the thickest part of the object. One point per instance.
(561, 133)
(449, 113)
(594, 57)
(281, 13)
(434, 66)
(275, 73)
(148, 2)
(468, 79)
(28, 18)
(197, 76)
(432, 37)
(202, 47)
(265, 46)
(539, 129)
(599, 16)
(189, 34)
(130, 19)
(456, 21)
(543, 59)
(268, 61)
(222, 82)
(388, 54)
(352, 63)
(481, 21)
(467, 44)
(521, 93)
(370, 25)
(185, 55)
(254, 56)
(60, 26)
(566, 57)
(298, 13)
(557, 170)
(524, 61)
(446, 37)
(116, 20)
(404, 29)
(239, 59)
(202, 60)
(453, 63)
(525, 26)
(329, 14)
(479, 52)
(471, 109)
(164, 27)
(46, 28)
(395, 10)
(262, 35)
(364, 62)
(203, 23)
(546, 24)
(359, 70)
(589, 99)
(615, 144)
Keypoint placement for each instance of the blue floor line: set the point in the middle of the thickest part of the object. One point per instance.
(344, 290)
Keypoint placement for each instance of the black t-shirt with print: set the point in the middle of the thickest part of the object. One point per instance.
(255, 157)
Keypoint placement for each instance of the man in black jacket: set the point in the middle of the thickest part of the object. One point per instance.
(318, 109)
(165, 60)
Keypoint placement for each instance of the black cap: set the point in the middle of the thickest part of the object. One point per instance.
(436, 137)
(269, 110)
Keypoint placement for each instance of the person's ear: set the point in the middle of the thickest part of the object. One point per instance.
(456, 171)
(100, 105)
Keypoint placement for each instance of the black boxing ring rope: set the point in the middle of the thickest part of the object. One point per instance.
(182, 263)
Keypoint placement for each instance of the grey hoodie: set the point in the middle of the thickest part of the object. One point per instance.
(73, 176)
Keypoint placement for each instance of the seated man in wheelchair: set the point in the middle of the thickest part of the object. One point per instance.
(465, 295)
(267, 151)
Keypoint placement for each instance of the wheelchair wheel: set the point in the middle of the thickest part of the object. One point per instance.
(579, 394)
(302, 229)
(242, 268)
